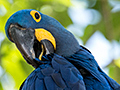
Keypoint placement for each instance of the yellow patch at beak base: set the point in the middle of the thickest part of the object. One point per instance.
(42, 34)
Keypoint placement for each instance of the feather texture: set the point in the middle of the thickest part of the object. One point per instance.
(58, 75)
(93, 76)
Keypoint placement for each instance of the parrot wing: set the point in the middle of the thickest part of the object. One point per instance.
(94, 77)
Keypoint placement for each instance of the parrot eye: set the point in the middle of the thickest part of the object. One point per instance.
(36, 15)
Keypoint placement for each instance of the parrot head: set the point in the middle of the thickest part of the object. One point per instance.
(36, 35)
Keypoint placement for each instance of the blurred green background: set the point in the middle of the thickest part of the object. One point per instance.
(95, 23)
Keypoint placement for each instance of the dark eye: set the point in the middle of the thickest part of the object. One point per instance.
(37, 16)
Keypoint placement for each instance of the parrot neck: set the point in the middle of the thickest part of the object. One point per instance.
(66, 44)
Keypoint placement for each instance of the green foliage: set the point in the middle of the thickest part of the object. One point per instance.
(114, 70)
(15, 68)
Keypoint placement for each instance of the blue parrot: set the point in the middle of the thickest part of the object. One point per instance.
(60, 62)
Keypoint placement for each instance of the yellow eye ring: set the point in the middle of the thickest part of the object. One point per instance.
(36, 15)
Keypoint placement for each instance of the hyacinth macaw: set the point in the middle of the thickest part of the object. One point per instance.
(60, 62)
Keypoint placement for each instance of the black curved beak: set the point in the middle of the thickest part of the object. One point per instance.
(32, 50)
(24, 40)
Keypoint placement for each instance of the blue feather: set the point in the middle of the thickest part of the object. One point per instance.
(58, 75)
(94, 77)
